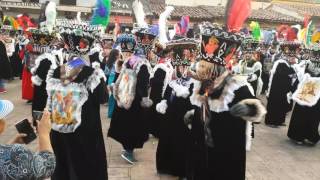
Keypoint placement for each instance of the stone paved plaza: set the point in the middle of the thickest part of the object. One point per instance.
(273, 156)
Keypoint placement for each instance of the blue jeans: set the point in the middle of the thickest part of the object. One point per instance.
(2, 84)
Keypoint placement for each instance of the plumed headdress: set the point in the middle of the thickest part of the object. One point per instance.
(73, 33)
(126, 43)
(217, 44)
(182, 48)
(249, 45)
(160, 44)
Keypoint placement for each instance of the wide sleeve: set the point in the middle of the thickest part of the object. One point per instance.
(244, 99)
(41, 73)
(97, 86)
(143, 82)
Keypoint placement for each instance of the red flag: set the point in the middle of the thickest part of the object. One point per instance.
(237, 11)
(306, 20)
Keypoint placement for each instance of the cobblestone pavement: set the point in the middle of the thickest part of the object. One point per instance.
(273, 156)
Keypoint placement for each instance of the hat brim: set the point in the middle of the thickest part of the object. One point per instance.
(6, 107)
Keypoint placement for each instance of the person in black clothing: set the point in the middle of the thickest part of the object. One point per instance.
(222, 104)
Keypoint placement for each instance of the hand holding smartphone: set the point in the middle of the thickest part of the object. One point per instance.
(36, 116)
(24, 127)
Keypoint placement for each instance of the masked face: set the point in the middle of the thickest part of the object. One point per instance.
(292, 60)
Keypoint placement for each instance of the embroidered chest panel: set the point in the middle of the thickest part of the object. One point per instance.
(65, 104)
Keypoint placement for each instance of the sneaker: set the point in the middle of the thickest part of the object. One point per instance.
(299, 142)
(128, 157)
(29, 102)
(309, 143)
(2, 90)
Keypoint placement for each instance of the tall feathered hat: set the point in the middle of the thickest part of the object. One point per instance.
(107, 39)
(126, 43)
(145, 33)
(41, 41)
(74, 34)
(183, 49)
(217, 44)
(162, 40)
(249, 45)
(290, 48)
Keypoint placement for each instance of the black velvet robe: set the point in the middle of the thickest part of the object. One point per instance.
(129, 127)
(155, 118)
(278, 105)
(304, 123)
(40, 95)
(81, 155)
(16, 62)
(226, 160)
(174, 140)
(5, 67)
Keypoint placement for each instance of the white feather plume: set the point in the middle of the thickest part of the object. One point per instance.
(163, 39)
(139, 13)
(79, 17)
(51, 15)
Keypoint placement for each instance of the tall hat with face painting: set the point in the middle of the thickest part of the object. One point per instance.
(145, 33)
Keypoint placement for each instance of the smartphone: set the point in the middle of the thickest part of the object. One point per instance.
(24, 127)
(36, 116)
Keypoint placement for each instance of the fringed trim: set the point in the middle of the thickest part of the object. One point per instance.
(248, 135)
(162, 107)
(36, 80)
(257, 67)
(300, 70)
(44, 56)
(101, 56)
(141, 63)
(220, 104)
(196, 99)
(146, 102)
(311, 99)
(273, 71)
(95, 65)
(124, 102)
(55, 84)
(260, 110)
(181, 90)
(259, 87)
(95, 49)
(188, 118)
(168, 68)
(95, 79)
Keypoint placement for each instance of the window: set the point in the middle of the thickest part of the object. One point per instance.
(68, 2)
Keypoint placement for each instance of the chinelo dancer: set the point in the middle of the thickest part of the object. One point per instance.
(75, 92)
(128, 123)
(174, 135)
(304, 130)
(161, 74)
(282, 78)
(223, 104)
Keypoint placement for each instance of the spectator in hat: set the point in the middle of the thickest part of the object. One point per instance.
(17, 162)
